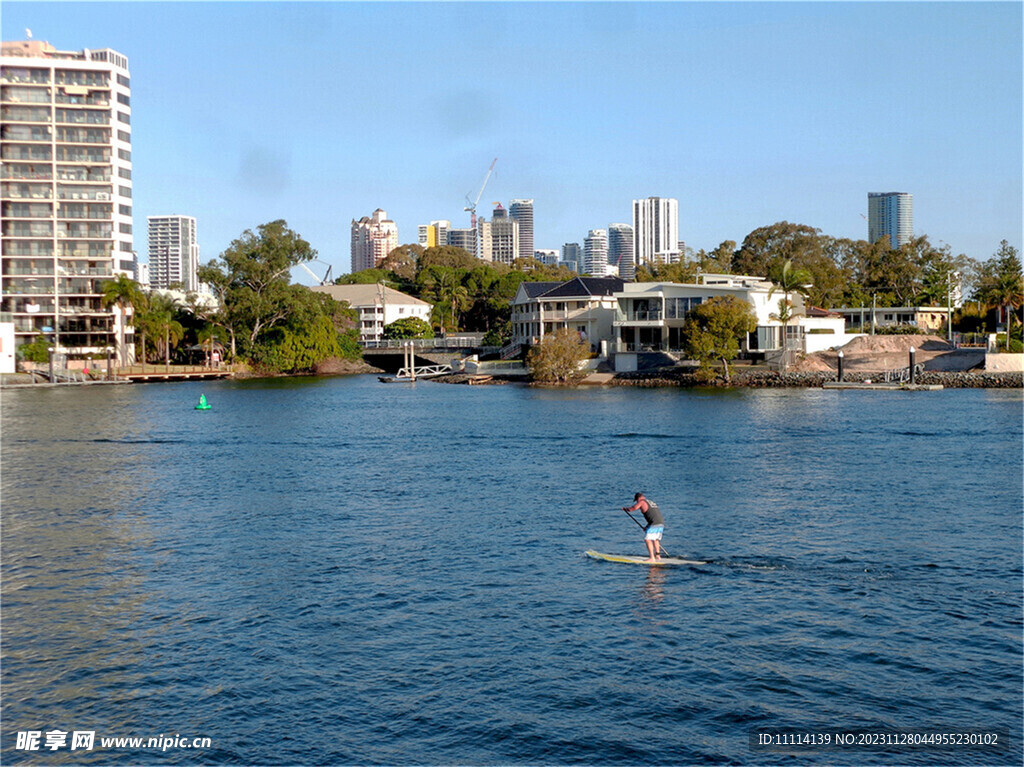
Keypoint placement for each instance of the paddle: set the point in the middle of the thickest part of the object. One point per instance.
(642, 527)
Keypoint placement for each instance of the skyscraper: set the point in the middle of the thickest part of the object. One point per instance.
(463, 238)
(521, 211)
(433, 234)
(66, 194)
(595, 253)
(892, 214)
(572, 255)
(620, 250)
(173, 252)
(655, 230)
(373, 237)
(499, 237)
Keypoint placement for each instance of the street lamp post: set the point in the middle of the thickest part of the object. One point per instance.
(949, 303)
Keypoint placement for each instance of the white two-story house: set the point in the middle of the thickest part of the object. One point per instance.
(585, 304)
(650, 315)
(377, 305)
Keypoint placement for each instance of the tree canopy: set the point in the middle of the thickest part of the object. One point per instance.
(558, 357)
(268, 319)
(715, 329)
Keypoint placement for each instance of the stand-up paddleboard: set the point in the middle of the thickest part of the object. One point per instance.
(643, 560)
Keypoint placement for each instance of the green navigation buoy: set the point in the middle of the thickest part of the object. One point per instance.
(203, 404)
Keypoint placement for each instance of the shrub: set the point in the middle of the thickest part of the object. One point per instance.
(557, 358)
(37, 350)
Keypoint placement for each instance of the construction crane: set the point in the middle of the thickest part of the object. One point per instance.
(326, 278)
(471, 208)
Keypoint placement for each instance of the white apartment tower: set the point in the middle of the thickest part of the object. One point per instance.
(891, 214)
(521, 211)
(373, 237)
(173, 252)
(620, 250)
(66, 194)
(595, 253)
(655, 230)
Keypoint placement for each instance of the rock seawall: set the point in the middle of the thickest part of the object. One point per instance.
(766, 379)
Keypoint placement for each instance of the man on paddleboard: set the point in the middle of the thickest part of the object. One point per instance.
(655, 524)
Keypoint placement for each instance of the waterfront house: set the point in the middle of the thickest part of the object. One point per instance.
(927, 319)
(650, 317)
(585, 304)
(377, 306)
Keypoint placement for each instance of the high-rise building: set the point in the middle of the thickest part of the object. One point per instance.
(572, 255)
(463, 238)
(521, 211)
(595, 253)
(891, 214)
(173, 252)
(546, 256)
(65, 127)
(655, 230)
(433, 234)
(499, 237)
(620, 250)
(373, 237)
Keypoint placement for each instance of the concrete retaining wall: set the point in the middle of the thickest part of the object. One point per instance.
(1004, 363)
(768, 379)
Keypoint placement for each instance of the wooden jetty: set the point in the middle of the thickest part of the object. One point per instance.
(145, 373)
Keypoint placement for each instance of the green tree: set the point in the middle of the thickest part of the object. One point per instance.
(719, 260)
(764, 248)
(408, 327)
(366, 277)
(157, 317)
(558, 357)
(122, 292)
(447, 256)
(402, 262)
(1001, 284)
(253, 274)
(714, 331)
(787, 280)
(36, 350)
(300, 349)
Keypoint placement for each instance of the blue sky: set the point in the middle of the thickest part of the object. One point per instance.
(747, 113)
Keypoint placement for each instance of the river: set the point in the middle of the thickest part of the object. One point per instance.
(337, 571)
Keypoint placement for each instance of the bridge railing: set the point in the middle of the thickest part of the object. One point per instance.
(469, 341)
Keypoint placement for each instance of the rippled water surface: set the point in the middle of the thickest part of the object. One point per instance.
(342, 572)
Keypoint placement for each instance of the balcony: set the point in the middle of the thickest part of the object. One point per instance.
(25, 114)
(97, 100)
(26, 192)
(21, 76)
(82, 117)
(26, 173)
(639, 317)
(16, 229)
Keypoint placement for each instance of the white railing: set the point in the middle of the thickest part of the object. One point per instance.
(447, 342)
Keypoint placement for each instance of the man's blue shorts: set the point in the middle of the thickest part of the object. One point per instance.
(654, 532)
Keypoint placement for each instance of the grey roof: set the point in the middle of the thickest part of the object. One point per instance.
(535, 289)
(367, 294)
(586, 286)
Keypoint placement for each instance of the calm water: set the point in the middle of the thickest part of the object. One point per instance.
(342, 572)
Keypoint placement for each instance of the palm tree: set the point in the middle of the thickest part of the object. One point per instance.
(157, 318)
(787, 280)
(122, 291)
(1007, 292)
(1002, 284)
